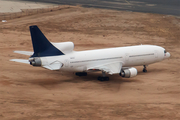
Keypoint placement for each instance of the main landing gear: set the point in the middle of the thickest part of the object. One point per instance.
(81, 73)
(100, 78)
(144, 69)
(103, 77)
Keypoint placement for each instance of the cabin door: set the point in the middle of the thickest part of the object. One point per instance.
(66, 62)
(156, 54)
(127, 57)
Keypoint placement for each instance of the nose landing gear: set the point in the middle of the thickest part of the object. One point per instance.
(144, 69)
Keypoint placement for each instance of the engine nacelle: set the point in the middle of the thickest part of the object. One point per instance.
(65, 47)
(127, 73)
(35, 61)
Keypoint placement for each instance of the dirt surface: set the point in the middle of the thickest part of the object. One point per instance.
(32, 93)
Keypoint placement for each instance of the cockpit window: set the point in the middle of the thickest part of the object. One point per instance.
(164, 51)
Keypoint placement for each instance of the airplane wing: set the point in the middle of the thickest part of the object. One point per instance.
(110, 68)
(24, 52)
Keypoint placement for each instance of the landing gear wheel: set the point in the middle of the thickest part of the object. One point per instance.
(81, 73)
(144, 70)
(103, 78)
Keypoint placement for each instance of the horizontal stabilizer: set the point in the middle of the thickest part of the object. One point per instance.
(20, 60)
(24, 52)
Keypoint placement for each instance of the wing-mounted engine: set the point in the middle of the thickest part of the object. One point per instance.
(127, 73)
(65, 47)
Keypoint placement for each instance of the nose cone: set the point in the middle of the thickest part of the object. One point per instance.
(167, 55)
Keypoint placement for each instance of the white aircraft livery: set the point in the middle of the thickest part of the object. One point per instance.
(61, 56)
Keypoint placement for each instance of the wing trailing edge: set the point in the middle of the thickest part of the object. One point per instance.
(110, 68)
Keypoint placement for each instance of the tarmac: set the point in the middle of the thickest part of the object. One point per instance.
(17, 6)
(167, 7)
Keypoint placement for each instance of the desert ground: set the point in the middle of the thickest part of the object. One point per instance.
(34, 93)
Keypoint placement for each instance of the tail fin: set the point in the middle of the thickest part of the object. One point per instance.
(42, 47)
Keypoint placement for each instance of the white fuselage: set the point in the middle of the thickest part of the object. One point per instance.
(60, 56)
(79, 61)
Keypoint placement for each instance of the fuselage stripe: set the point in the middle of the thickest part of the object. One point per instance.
(141, 55)
(95, 60)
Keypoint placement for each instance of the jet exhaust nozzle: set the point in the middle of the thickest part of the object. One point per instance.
(35, 61)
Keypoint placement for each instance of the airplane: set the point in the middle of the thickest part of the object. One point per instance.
(119, 60)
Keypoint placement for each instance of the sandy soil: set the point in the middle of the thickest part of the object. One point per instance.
(32, 93)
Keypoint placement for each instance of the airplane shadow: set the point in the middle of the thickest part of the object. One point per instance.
(91, 77)
(66, 80)
(58, 77)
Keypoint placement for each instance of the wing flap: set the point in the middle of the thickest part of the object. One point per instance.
(110, 68)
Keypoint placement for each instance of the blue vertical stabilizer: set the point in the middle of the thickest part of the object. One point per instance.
(42, 47)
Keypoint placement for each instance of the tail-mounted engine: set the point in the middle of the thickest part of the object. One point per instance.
(35, 61)
(65, 47)
(127, 73)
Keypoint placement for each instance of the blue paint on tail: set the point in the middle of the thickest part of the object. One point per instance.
(42, 47)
